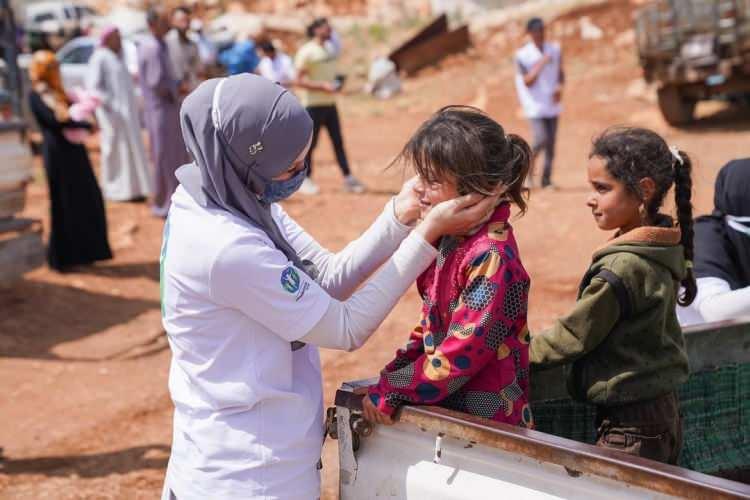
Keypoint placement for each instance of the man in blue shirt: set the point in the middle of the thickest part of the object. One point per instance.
(241, 57)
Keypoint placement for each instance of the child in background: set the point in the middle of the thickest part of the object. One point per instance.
(469, 352)
(623, 338)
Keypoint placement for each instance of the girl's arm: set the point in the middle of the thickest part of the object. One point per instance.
(578, 333)
(341, 273)
(413, 350)
(477, 330)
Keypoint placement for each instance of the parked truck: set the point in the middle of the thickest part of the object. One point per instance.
(435, 453)
(694, 50)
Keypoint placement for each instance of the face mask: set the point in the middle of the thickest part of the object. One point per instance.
(280, 190)
(740, 224)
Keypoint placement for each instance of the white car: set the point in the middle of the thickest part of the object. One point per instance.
(62, 18)
(74, 57)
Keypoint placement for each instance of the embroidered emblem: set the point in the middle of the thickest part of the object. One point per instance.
(255, 148)
(290, 280)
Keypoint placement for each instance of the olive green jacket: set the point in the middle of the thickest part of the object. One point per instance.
(622, 337)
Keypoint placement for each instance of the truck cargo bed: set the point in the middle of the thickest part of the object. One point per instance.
(436, 453)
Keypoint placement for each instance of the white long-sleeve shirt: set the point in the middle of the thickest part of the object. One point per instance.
(279, 69)
(715, 301)
(248, 409)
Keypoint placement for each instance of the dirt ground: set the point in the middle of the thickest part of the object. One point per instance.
(83, 359)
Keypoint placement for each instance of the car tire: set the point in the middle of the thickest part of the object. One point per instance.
(676, 108)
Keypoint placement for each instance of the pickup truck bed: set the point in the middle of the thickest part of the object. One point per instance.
(436, 453)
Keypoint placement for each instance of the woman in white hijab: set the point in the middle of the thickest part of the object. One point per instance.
(248, 296)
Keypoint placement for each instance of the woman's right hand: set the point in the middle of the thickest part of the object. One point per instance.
(458, 216)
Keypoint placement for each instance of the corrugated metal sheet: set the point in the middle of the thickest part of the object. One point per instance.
(430, 45)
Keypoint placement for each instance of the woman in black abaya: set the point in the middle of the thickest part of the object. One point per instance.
(78, 223)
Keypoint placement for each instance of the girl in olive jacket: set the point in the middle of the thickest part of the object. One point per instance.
(622, 337)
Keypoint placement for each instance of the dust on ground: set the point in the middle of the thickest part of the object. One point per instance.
(83, 360)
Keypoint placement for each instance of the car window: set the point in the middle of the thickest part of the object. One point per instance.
(84, 11)
(47, 16)
(78, 55)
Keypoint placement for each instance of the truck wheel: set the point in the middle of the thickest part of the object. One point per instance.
(676, 108)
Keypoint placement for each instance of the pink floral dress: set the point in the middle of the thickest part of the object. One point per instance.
(470, 351)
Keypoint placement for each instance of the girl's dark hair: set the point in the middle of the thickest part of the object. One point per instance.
(633, 154)
(462, 143)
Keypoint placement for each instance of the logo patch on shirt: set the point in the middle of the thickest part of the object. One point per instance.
(255, 149)
(290, 280)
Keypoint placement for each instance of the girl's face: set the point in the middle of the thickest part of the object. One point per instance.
(613, 206)
(432, 193)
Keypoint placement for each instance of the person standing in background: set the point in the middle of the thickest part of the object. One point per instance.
(241, 57)
(275, 65)
(539, 81)
(78, 228)
(183, 51)
(319, 81)
(161, 102)
(124, 170)
(206, 49)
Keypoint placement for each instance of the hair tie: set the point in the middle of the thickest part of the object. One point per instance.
(676, 154)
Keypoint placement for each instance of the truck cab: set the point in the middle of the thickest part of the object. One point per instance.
(695, 50)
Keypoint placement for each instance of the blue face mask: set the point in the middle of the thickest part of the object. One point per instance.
(280, 190)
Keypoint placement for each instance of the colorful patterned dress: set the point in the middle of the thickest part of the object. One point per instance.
(470, 351)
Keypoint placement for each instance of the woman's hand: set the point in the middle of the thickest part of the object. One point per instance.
(406, 202)
(458, 216)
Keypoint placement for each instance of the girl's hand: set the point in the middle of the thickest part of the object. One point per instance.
(406, 203)
(458, 216)
(372, 414)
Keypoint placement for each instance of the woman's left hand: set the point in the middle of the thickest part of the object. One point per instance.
(406, 203)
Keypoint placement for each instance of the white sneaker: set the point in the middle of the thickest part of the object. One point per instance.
(308, 187)
(352, 185)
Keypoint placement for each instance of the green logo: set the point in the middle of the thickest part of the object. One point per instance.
(290, 280)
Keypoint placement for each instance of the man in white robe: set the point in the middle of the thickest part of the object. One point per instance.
(125, 173)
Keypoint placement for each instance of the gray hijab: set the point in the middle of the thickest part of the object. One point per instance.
(241, 132)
